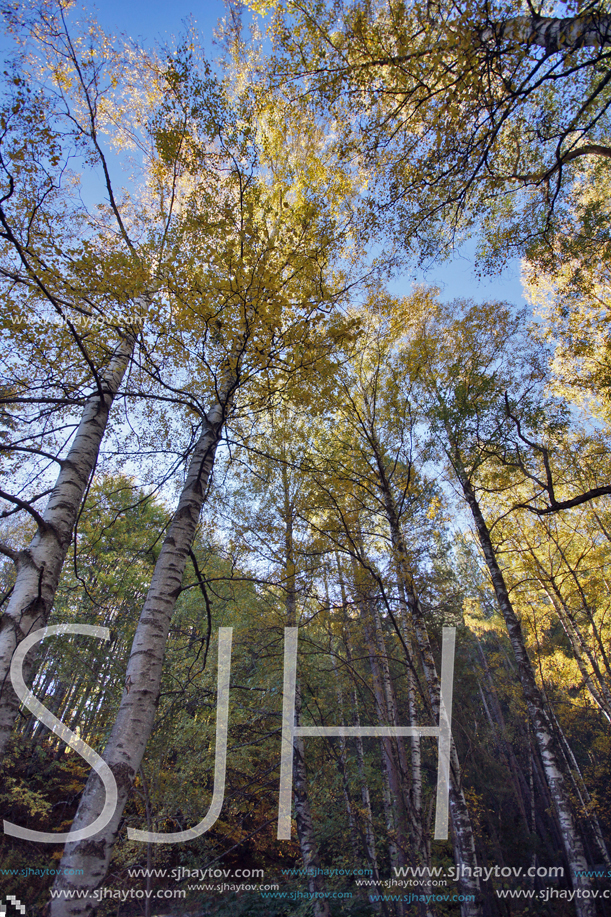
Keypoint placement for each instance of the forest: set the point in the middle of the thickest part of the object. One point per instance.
(305, 605)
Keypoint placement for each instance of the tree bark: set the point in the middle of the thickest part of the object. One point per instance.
(464, 841)
(136, 714)
(593, 680)
(303, 821)
(367, 812)
(39, 565)
(498, 725)
(583, 795)
(303, 814)
(342, 761)
(394, 790)
(535, 703)
(463, 837)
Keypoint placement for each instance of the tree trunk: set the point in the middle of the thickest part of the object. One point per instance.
(535, 703)
(394, 791)
(583, 795)
(85, 863)
(39, 565)
(303, 814)
(342, 762)
(595, 683)
(498, 725)
(464, 841)
(303, 821)
(369, 833)
(463, 838)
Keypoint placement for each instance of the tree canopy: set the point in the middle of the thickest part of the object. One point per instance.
(223, 429)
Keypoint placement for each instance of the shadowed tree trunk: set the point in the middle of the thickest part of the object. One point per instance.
(303, 814)
(464, 842)
(537, 710)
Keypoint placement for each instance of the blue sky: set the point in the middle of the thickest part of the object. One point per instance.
(457, 279)
(156, 19)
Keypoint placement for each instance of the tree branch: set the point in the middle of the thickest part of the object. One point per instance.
(554, 505)
(22, 504)
(8, 552)
(554, 35)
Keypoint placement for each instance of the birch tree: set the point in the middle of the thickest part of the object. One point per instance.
(468, 118)
(57, 269)
(258, 303)
(381, 470)
(106, 272)
(462, 405)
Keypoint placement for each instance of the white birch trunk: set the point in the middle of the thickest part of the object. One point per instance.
(39, 565)
(542, 726)
(370, 840)
(596, 684)
(136, 714)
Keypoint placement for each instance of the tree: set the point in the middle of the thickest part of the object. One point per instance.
(463, 386)
(376, 466)
(466, 118)
(54, 277)
(114, 553)
(259, 305)
(568, 284)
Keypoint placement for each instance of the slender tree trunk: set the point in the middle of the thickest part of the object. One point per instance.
(598, 638)
(369, 839)
(303, 821)
(342, 760)
(464, 841)
(394, 720)
(596, 680)
(395, 792)
(498, 725)
(416, 758)
(581, 791)
(303, 814)
(85, 863)
(463, 837)
(533, 802)
(542, 726)
(40, 564)
(595, 683)
(369, 833)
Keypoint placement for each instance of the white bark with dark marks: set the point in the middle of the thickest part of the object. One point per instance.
(84, 865)
(39, 565)
(535, 702)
